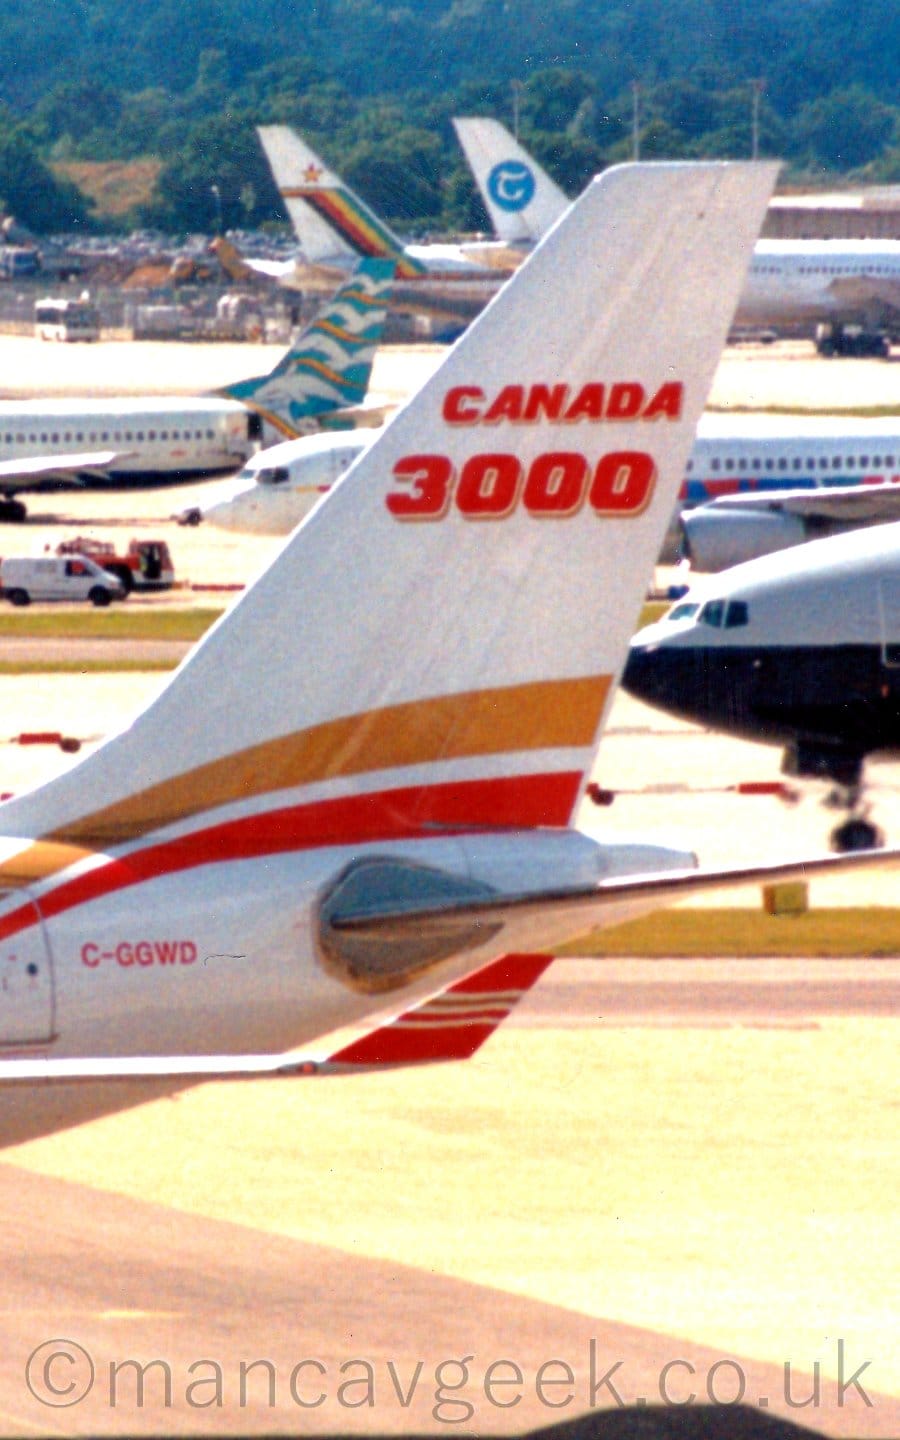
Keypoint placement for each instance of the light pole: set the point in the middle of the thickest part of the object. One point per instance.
(635, 120)
(517, 86)
(758, 87)
(217, 196)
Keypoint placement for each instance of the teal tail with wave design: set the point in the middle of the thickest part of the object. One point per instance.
(329, 367)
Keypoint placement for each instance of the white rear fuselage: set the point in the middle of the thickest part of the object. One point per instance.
(790, 281)
(225, 958)
(167, 437)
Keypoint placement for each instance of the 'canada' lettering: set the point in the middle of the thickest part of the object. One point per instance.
(529, 404)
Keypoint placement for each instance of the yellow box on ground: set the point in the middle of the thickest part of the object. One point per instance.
(791, 897)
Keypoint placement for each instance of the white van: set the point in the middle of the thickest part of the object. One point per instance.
(58, 577)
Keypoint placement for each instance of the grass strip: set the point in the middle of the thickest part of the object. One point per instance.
(849, 412)
(83, 667)
(161, 624)
(653, 610)
(735, 933)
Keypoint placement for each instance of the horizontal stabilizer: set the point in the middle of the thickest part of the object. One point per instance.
(547, 918)
(453, 1024)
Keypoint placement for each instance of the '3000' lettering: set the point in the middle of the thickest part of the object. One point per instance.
(492, 486)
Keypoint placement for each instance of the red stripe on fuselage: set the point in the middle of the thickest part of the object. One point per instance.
(521, 802)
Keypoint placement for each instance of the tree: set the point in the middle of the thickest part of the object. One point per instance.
(399, 178)
(211, 178)
(845, 129)
(29, 190)
(78, 110)
(572, 160)
(551, 98)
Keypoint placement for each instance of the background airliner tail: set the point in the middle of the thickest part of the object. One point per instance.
(521, 199)
(329, 220)
(437, 645)
(328, 368)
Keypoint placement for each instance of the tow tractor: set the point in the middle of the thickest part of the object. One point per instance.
(832, 339)
(145, 565)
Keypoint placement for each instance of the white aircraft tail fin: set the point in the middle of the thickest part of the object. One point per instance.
(328, 218)
(328, 368)
(437, 644)
(521, 199)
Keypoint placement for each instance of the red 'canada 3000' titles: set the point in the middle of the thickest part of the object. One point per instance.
(493, 485)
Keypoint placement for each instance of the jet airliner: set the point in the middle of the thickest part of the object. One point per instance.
(279, 486)
(760, 483)
(837, 283)
(800, 650)
(335, 227)
(354, 802)
(131, 441)
(753, 484)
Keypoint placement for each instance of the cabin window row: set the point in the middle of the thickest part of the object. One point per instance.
(94, 437)
(796, 463)
(834, 269)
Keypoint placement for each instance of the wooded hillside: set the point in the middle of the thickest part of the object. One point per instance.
(374, 85)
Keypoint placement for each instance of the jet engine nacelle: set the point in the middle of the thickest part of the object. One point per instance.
(714, 539)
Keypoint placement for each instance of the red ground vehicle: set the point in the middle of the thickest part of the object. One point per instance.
(145, 565)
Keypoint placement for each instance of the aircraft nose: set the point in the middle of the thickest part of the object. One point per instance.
(663, 675)
(641, 675)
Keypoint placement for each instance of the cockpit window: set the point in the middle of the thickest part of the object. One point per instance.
(713, 613)
(737, 614)
(275, 475)
(685, 611)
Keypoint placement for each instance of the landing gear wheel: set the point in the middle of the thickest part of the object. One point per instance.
(12, 512)
(856, 834)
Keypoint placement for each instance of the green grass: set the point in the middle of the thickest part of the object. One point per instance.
(856, 412)
(652, 610)
(83, 667)
(118, 624)
(868, 931)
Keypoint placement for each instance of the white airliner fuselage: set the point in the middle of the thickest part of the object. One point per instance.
(758, 483)
(752, 455)
(800, 650)
(169, 437)
(129, 441)
(280, 485)
(790, 281)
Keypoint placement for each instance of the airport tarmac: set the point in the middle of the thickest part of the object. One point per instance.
(692, 1165)
(688, 1164)
(787, 374)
